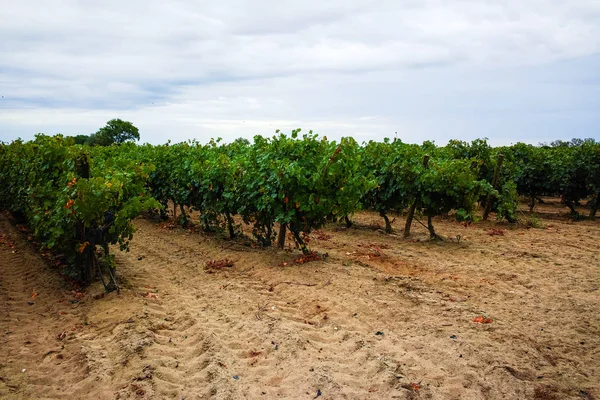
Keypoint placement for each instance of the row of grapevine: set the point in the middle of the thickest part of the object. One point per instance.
(568, 169)
(289, 182)
(71, 205)
(301, 182)
(76, 197)
(421, 178)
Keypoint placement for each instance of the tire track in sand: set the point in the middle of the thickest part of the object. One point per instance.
(41, 353)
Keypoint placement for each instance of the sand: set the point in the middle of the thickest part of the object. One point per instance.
(380, 318)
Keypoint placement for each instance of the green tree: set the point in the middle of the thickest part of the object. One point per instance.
(81, 139)
(116, 131)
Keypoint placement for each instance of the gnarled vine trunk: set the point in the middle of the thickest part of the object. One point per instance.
(281, 236)
(388, 226)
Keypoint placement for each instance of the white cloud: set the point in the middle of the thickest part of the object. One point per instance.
(182, 69)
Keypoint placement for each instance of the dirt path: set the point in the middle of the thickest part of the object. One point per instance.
(40, 351)
(380, 318)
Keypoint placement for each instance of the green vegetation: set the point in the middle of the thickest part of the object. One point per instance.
(71, 204)
(116, 131)
(567, 169)
(78, 199)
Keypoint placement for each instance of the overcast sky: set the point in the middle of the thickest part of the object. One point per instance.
(509, 70)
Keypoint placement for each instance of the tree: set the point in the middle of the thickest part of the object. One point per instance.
(116, 131)
(242, 141)
(81, 139)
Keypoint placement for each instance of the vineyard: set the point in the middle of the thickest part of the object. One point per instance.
(294, 266)
(76, 198)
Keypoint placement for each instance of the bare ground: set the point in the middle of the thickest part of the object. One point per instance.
(380, 318)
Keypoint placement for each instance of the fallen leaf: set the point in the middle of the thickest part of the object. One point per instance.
(216, 265)
(77, 295)
(311, 256)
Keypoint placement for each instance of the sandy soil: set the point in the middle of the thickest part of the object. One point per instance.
(380, 318)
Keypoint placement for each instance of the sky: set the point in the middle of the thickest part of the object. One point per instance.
(507, 70)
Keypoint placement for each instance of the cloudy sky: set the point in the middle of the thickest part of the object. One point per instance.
(509, 70)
